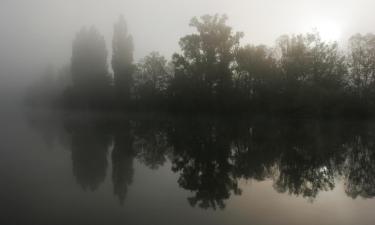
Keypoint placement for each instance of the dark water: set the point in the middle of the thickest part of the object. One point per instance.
(84, 168)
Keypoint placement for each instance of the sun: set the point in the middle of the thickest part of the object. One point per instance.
(329, 30)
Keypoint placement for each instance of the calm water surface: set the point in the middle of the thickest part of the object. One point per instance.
(84, 168)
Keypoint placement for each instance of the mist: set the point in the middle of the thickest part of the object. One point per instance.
(187, 112)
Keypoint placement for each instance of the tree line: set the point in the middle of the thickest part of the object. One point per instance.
(300, 75)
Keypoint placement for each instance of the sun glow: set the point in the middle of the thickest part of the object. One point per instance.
(329, 30)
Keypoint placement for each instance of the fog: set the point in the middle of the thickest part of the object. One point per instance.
(271, 127)
(37, 33)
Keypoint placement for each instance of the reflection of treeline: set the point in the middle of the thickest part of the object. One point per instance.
(210, 156)
(301, 74)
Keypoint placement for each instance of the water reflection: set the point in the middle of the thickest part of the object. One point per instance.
(89, 144)
(211, 156)
(122, 159)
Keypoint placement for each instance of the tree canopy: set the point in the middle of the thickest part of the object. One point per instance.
(122, 60)
(214, 72)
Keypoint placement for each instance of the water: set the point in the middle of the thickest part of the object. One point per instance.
(92, 168)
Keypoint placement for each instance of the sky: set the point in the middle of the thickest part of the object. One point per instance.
(35, 33)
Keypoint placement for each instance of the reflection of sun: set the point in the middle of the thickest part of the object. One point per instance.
(329, 30)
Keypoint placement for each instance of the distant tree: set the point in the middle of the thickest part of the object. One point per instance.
(122, 60)
(204, 70)
(313, 71)
(89, 68)
(48, 89)
(257, 76)
(301, 75)
(362, 63)
(294, 58)
(152, 78)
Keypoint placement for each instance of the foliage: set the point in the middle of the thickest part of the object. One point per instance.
(302, 75)
(204, 70)
(152, 79)
(122, 60)
(89, 70)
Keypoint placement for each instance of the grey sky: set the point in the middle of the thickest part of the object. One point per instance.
(37, 32)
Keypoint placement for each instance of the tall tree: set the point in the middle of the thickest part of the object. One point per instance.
(89, 67)
(122, 60)
(362, 63)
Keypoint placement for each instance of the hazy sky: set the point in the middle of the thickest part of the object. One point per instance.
(36, 32)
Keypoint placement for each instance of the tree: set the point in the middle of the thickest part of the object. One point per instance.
(313, 71)
(257, 77)
(89, 68)
(204, 70)
(152, 78)
(362, 63)
(122, 60)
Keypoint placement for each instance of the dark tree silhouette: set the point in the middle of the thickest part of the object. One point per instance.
(257, 78)
(152, 80)
(301, 76)
(89, 70)
(362, 74)
(203, 73)
(313, 71)
(122, 61)
(362, 63)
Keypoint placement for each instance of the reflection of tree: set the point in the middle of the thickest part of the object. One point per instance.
(298, 156)
(359, 167)
(122, 160)
(151, 143)
(302, 174)
(90, 144)
(306, 166)
(303, 158)
(202, 155)
(256, 149)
